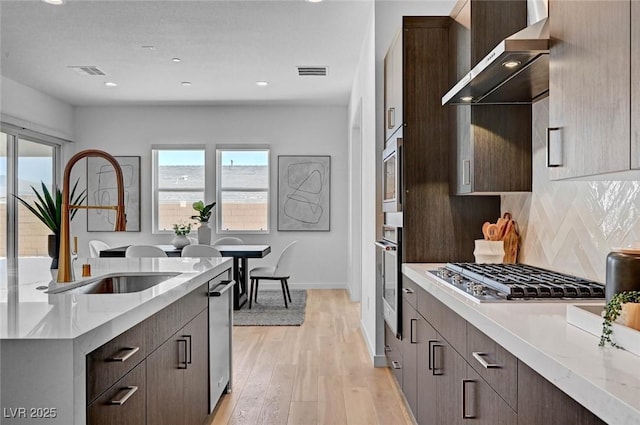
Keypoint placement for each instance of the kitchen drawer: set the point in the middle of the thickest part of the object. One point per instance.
(449, 324)
(483, 405)
(393, 351)
(495, 364)
(167, 321)
(111, 361)
(410, 291)
(123, 403)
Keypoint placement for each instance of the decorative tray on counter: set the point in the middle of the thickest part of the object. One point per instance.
(588, 317)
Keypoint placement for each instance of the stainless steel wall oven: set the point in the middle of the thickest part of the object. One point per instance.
(392, 176)
(389, 275)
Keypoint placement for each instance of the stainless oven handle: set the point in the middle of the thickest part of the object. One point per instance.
(386, 247)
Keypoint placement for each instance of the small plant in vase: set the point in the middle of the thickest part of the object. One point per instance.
(181, 230)
(613, 310)
(204, 215)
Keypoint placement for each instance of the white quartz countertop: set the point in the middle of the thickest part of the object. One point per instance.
(605, 380)
(30, 313)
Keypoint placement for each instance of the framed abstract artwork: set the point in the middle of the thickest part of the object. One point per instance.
(102, 190)
(304, 192)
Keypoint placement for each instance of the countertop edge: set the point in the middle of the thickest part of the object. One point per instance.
(590, 394)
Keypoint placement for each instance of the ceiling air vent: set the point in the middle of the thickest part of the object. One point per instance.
(305, 71)
(87, 70)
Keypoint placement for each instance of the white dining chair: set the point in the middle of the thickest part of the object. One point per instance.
(95, 246)
(281, 271)
(200, 251)
(228, 240)
(144, 251)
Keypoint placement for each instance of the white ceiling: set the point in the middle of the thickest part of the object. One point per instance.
(225, 47)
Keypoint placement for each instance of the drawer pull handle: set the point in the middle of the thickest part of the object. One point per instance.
(554, 147)
(480, 357)
(436, 371)
(391, 118)
(466, 415)
(124, 354)
(183, 364)
(396, 364)
(412, 340)
(387, 348)
(408, 290)
(124, 395)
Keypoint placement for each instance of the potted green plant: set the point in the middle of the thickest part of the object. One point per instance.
(181, 230)
(612, 312)
(204, 215)
(48, 209)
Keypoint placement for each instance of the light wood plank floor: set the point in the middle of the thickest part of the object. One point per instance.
(318, 373)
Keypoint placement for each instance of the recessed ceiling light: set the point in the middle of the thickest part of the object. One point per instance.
(186, 83)
(54, 2)
(511, 64)
(466, 98)
(314, 1)
(262, 83)
(149, 47)
(111, 84)
(176, 60)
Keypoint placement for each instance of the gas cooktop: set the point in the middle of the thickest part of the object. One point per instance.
(501, 282)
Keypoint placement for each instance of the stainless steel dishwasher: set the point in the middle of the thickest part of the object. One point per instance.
(220, 336)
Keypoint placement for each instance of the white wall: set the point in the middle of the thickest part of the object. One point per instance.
(362, 105)
(25, 107)
(321, 257)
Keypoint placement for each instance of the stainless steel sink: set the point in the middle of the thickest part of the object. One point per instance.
(118, 283)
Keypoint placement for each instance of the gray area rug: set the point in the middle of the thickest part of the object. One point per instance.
(270, 311)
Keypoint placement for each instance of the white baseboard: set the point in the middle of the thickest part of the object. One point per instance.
(376, 359)
(274, 284)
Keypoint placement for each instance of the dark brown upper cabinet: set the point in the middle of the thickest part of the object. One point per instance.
(491, 144)
(594, 123)
(437, 227)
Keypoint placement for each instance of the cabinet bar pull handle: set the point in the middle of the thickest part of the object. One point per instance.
(408, 290)
(396, 364)
(188, 351)
(412, 340)
(554, 156)
(387, 348)
(124, 354)
(480, 357)
(436, 371)
(124, 395)
(181, 363)
(430, 360)
(466, 172)
(464, 399)
(391, 118)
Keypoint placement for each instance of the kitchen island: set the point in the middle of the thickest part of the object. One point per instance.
(46, 339)
(604, 380)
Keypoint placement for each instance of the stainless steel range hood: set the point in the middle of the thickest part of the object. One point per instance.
(516, 71)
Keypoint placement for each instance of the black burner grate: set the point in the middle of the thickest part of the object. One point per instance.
(524, 281)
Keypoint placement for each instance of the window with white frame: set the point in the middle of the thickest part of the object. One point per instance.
(178, 182)
(243, 189)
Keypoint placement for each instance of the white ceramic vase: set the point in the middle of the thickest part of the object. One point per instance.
(204, 234)
(180, 241)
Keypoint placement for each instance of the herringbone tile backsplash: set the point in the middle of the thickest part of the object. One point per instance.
(571, 226)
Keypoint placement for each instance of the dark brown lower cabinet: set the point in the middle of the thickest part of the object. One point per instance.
(177, 385)
(196, 390)
(483, 385)
(123, 403)
(427, 374)
(409, 354)
(482, 404)
(451, 370)
(541, 402)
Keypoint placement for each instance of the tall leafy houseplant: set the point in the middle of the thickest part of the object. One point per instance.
(204, 215)
(48, 209)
